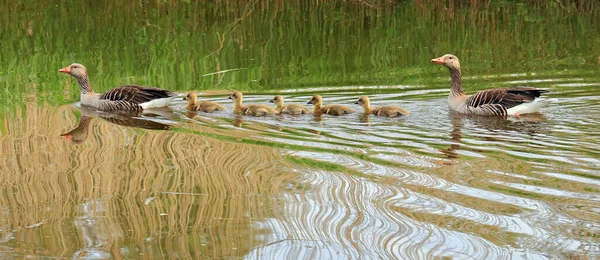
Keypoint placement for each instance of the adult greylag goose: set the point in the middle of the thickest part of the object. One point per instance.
(129, 97)
(387, 111)
(334, 110)
(250, 110)
(499, 101)
(290, 109)
(204, 106)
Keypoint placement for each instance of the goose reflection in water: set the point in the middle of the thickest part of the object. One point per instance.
(129, 119)
(491, 129)
(237, 121)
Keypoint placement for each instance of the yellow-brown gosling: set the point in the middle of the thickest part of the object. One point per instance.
(204, 106)
(290, 109)
(387, 111)
(250, 110)
(334, 110)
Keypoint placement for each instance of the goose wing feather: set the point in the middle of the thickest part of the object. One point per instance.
(505, 97)
(136, 94)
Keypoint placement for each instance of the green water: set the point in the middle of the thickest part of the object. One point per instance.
(434, 184)
(269, 45)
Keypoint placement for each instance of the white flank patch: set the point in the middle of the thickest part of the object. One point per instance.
(161, 102)
(527, 108)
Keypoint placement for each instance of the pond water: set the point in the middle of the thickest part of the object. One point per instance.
(78, 183)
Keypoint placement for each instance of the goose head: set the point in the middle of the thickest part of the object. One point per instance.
(449, 61)
(76, 70)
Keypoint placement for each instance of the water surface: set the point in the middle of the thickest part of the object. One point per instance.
(78, 183)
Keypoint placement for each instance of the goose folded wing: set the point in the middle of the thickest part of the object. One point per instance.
(136, 94)
(506, 97)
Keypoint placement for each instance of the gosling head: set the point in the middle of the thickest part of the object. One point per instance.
(278, 100)
(190, 97)
(449, 61)
(316, 100)
(236, 97)
(363, 101)
(76, 70)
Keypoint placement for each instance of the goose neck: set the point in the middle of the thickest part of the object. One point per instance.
(456, 76)
(84, 85)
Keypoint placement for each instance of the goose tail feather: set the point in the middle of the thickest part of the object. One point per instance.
(528, 107)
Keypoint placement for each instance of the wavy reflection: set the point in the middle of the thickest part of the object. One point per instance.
(130, 190)
(80, 133)
(489, 128)
(284, 187)
(455, 136)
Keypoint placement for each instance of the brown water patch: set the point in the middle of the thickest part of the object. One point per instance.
(124, 190)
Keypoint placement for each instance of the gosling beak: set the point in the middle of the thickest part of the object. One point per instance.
(229, 97)
(439, 60)
(271, 101)
(66, 69)
(309, 102)
(356, 102)
(184, 98)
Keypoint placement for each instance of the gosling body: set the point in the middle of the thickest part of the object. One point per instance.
(250, 110)
(203, 106)
(334, 110)
(385, 111)
(290, 109)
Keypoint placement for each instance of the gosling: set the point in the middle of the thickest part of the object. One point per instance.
(334, 110)
(250, 110)
(290, 109)
(204, 106)
(386, 111)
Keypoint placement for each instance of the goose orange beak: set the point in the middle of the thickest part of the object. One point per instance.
(66, 69)
(439, 60)
(67, 136)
